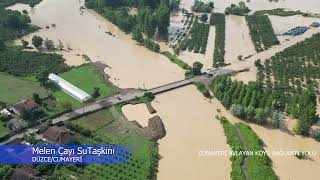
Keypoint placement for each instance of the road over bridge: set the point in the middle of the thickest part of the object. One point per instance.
(121, 98)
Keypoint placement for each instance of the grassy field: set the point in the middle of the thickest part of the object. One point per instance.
(3, 129)
(142, 164)
(177, 61)
(85, 77)
(95, 120)
(13, 89)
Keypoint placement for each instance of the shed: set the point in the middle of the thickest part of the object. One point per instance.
(69, 88)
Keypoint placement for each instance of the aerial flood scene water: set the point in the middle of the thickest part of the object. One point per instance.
(222, 76)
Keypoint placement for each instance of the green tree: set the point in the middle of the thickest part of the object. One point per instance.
(49, 44)
(42, 77)
(163, 17)
(196, 68)
(6, 171)
(276, 119)
(260, 116)
(13, 21)
(137, 34)
(32, 3)
(37, 41)
(237, 110)
(25, 43)
(36, 98)
(250, 113)
(96, 93)
(60, 46)
(2, 45)
(204, 18)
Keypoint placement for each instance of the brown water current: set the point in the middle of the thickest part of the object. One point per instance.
(188, 117)
(131, 65)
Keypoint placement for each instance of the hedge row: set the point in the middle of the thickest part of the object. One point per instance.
(218, 20)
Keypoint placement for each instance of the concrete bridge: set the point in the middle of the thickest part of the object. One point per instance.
(121, 98)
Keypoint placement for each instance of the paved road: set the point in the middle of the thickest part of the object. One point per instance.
(119, 98)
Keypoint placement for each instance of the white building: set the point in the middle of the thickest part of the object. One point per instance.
(70, 88)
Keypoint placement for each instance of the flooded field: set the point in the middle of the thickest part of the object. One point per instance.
(138, 112)
(85, 32)
(191, 128)
(188, 117)
(238, 40)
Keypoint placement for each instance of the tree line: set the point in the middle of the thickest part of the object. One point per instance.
(218, 20)
(197, 39)
(295, 73)
(261, 32)
(241, 139)
(151, 16)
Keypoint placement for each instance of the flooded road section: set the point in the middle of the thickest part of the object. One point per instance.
(131, 65)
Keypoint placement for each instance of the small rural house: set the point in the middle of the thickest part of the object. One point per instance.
(57, 135)
(25, 105)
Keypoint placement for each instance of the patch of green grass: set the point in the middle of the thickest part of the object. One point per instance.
(3, 129)
(13, 89)
(177, 61)
(234, 141)
(143, 163)
(258, 165)
(86, 77)
(63, 96)
(95, 120)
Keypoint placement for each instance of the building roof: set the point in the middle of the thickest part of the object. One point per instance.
(25, 174)
(69, 88)
(58, 135)
(25, 105)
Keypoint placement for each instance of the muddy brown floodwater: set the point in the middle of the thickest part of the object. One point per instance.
(85, 32)
(188, 117)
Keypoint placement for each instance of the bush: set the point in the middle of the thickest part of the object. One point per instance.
(200, 6)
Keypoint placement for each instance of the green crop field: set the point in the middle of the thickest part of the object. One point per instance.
(95, 120)
(86, 77)
(3, 129)
(14, 88)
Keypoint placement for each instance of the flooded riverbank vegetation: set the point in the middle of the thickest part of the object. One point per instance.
(197, 38)
(151, 16)
(13, 59)
(243, 140)
(201, 7)
(239, 10)
(261, 32)
(295, 73)
(219, 21)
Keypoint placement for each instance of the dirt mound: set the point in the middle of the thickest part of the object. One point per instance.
(155, 129)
